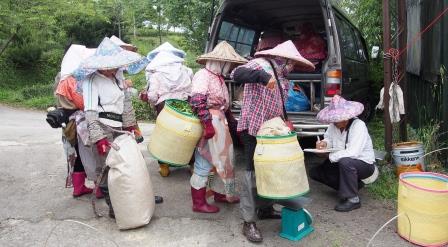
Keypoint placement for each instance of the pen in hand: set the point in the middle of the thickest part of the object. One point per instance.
(318, 143)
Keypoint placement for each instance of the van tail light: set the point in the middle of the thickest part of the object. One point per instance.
(333, 85)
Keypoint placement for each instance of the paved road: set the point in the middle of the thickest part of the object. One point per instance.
(34, 203)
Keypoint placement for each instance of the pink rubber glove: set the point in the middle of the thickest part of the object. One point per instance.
(102, 146)
(143, 96)
(209, 131)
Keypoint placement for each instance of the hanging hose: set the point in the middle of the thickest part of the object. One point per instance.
(438, 150)
(387, 223)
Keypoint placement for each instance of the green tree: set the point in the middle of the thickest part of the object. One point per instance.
(193, 16)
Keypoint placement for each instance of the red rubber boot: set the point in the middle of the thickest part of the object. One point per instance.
(79, 188)
(199, 202)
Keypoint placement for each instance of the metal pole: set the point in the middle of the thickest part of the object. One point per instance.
(402, 39)
(387, 76)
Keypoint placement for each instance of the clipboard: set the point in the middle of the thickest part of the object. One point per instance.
(321, 151)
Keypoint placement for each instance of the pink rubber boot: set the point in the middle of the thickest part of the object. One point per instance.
(200, 203)
(79, 188)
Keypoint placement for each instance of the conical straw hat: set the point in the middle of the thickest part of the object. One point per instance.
(110, 56)
(74, 56)
(340, 110)
(286, 50)
(223, 52)
(120, 42)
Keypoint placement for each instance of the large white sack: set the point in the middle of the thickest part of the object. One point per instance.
(130, 186)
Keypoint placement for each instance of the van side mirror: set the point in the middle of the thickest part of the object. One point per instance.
(375, 51)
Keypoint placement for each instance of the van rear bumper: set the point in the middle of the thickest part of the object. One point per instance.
(305, 124)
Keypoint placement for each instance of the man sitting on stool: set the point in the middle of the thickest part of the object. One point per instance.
(349, 168)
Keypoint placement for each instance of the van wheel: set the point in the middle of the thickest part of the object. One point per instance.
(367, 114)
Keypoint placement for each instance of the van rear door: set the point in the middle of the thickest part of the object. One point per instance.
(240, 23)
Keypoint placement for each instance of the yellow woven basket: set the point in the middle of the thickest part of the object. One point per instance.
(423, 208)
(175, 136)
(280, 167)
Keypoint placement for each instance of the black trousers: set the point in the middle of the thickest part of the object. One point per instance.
(344, 176)
(78, 167)
(249, 144)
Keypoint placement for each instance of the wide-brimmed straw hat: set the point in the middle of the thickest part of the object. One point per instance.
(223, 52)
(74, 56)
(108, 55)
(168, 48)
(286, 50)
(340, 110)
(120, 42)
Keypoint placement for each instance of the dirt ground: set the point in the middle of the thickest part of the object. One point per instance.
(36, 209)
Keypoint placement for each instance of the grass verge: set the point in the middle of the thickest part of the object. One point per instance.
(386, 186)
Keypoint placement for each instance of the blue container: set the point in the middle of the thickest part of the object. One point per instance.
(296, 224)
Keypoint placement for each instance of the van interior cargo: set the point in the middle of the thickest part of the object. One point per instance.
(245, 23)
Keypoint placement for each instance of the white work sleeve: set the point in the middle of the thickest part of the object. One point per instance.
(327, 136)
(153, 89)
(358, 135)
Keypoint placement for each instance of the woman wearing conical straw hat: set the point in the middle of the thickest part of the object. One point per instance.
(107, 105)
(210, 101)
(261, 102)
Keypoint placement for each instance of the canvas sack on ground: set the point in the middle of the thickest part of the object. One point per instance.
(130, 186)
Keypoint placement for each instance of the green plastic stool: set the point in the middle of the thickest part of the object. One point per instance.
(296, 224)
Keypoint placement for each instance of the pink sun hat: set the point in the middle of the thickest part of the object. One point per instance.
(287, 50)
(340, 110)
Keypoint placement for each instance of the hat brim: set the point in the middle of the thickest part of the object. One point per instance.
(124, 58)
(351, 110)
(298, 60)
(203, 60)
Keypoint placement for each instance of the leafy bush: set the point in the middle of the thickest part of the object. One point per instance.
(143, 111)
(52, 59)
(432, 140)
(26, 55)
(148, 32)
(89, 30)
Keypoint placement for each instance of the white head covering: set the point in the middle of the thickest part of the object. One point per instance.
(168, 48)
(169, 69)
(163, 58)
(218, 67)
(74, 56)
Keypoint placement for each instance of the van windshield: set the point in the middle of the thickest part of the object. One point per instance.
(240, 38)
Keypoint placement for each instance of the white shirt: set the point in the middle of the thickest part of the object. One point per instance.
(169, 82)
(359, 144)
(100, 89)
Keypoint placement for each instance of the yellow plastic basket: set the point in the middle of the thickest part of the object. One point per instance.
(280, 167)
(175, 136)
(423, 208)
